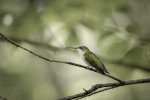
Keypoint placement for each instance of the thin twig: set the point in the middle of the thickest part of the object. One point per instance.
(47, 46)
(93, 89)
(51, 60)
(35, 43)
(98, 91)
(44, 58)
(112, 77)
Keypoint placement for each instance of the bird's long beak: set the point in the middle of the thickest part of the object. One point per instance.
(70, 48)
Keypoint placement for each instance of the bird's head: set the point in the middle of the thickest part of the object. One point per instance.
(82, 49)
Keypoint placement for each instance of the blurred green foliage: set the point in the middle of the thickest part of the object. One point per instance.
(117, 31)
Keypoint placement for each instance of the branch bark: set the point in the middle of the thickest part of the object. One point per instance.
(35, 43)
(93, 89)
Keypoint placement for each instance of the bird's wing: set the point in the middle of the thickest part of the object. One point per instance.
(95, 62)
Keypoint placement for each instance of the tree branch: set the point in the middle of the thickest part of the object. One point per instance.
(51, 60)
(98, 91)
(44, 58)
(47, 46)
(93, 89)
(35, 43)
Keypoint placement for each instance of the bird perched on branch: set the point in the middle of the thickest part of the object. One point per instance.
(91, 59)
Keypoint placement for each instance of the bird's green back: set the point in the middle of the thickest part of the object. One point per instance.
(95, 62)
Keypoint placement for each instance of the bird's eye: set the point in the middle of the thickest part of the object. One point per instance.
(81, 48)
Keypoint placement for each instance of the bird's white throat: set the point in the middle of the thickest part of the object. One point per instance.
(81, 52)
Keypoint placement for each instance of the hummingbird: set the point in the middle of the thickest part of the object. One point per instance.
(91, 59)
(94, 61)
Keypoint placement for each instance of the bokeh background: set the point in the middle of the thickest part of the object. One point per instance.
(118, 31)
